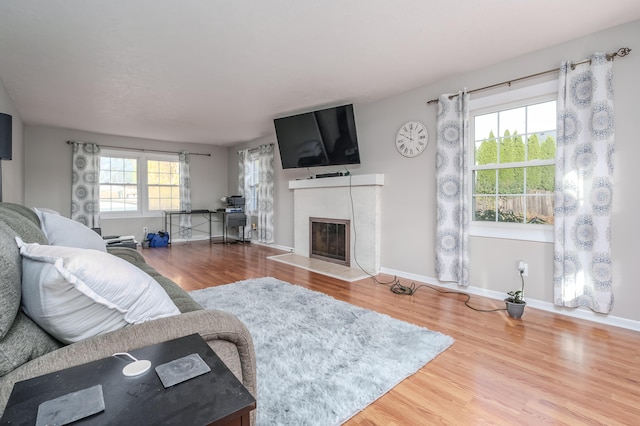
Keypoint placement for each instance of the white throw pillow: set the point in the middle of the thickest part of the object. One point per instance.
(62, 231)
(77, 293)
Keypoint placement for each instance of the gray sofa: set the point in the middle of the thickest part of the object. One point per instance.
(26, 350)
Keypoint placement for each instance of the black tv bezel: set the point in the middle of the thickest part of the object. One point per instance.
(351, 120)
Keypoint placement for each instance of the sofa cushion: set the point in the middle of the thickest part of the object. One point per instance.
(78, 293)
(9, 279)
(24, 341)
(62, 231)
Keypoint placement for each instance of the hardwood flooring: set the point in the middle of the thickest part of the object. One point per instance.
(542, 369)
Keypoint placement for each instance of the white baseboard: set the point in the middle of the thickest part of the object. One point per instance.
(538, 304)
(196, 238)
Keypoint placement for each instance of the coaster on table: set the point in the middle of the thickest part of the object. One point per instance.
(73, 406)
(181, 369)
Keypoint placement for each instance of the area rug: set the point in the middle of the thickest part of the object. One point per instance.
(320, 360)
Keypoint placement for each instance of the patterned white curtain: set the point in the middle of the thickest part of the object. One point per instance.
(265, 194)
(85, 184)
(584, 188)
(244, 182)
(185, 194)
(452, 228)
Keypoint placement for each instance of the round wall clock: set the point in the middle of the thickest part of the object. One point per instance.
(412, 138)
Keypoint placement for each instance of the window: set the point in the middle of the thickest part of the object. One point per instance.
(513, 165)
(138, 184)
(163, 179)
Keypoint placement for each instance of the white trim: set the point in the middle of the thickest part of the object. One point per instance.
(512, 231)
(528, 92)
(537, 304)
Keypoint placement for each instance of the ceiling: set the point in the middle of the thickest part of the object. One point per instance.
(218, 71)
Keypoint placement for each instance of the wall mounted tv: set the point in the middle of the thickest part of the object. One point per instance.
(325, 137)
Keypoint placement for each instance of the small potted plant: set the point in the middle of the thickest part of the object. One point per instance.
(515, 302)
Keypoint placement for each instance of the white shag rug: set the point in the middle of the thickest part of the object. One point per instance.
(320, 360)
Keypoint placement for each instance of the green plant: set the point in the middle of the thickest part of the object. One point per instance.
(517, 296)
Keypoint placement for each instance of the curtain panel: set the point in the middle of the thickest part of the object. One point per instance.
(584, 186)
(184, 162)
(265, 194)
(85, 183)
(452, 223)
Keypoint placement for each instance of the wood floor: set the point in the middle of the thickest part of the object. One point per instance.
(542, 369)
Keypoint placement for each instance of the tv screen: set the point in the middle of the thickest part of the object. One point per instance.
(325, 137)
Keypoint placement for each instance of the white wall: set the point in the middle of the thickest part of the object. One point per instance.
(13, 170)
(48, 174)
(408, 197)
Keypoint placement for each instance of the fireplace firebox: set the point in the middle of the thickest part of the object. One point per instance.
(329, 240)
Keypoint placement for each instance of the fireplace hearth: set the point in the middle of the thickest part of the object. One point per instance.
(329, 240)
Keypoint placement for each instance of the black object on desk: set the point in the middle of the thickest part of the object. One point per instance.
(216, 397)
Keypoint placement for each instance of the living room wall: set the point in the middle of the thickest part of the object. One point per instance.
(48, 174)
(408, 196)
(13, 170)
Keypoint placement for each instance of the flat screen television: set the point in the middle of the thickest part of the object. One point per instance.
(324, 137)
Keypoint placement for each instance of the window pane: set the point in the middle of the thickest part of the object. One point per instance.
(541, 117)
(512, 120)
(486, 126)
(484, 208)
(540, 208)
(118, 188)
(131, 177)
(164, 185)
(485, 182)
(511, 209)
(540, 179)
(511, 180)
(487, 152)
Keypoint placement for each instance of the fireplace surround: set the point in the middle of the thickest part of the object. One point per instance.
(355, 198)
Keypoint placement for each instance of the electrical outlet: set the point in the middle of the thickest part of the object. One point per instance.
(523, 268)
(145, 230)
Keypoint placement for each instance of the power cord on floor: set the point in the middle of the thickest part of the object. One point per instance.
(398, 288)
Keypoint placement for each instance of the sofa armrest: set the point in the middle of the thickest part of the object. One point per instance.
(211, 325)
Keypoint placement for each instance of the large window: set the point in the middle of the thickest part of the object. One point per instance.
(138, 183)
(513, 165)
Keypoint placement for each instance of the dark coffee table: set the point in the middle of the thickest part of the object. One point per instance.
(214, 398)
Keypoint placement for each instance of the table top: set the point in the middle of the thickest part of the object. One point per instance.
(214, 396)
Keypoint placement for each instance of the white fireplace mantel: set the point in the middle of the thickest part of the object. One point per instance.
(332, 198)
(338, 181)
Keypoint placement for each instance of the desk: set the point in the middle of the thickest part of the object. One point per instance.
(168, 214)
(214, 398)
(232, 220)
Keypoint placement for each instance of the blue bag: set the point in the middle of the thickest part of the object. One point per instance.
(158, 239)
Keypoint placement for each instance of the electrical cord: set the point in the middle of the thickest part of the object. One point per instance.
(395, 286)
(398, 288)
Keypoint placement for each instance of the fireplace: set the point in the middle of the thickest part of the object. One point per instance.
(356, 198)
(329, 240)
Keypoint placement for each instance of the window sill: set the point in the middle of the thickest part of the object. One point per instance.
(512, 231)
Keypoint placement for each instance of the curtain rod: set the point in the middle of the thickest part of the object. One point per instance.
(257, 148)
(141, 149)
(622, 52)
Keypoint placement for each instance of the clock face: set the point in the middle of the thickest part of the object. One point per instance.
(412, 139)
